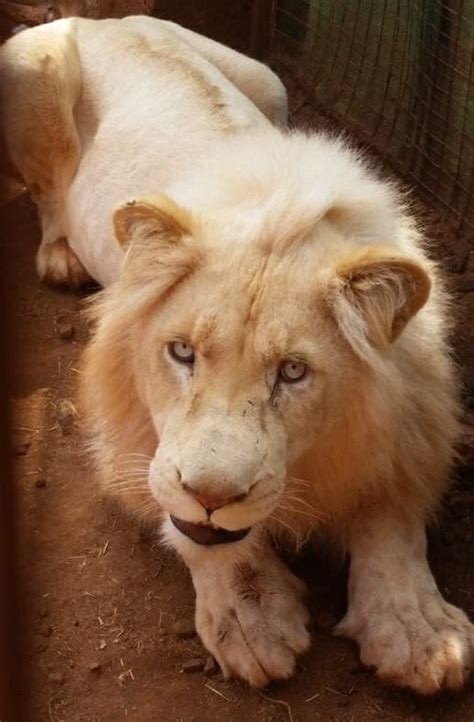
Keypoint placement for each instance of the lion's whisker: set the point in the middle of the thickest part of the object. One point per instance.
(303, 502)
(130, 480)
(300, 512)
(135, 453)
(130, 468)
(140, 482)
(129, 492)
(302, 482)
(284, 524)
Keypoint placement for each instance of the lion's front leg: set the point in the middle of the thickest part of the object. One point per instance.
(249, 609)
(405, 629)
(41, 83)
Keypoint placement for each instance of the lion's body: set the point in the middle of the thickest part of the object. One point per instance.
(278, 248)
(176, 101)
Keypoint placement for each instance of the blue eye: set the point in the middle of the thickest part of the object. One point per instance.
(293, 371)
(181, 351)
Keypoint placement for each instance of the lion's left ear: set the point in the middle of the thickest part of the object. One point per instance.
(375, 294)
(158, 236)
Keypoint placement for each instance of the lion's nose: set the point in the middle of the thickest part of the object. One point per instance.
(212, 500)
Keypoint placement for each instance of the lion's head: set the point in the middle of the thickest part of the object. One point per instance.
(245, 352)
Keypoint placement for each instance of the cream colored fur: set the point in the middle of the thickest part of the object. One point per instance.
(209, 225)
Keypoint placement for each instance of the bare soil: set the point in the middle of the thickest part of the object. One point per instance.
(104, 606)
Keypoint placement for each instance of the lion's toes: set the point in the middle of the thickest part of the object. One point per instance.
(58, 265)
(436, 664)
(254, 649)
(427, 649)
(256, 633)
(256, 655)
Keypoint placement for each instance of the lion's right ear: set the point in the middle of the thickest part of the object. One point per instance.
(151, 217)
(158, 237)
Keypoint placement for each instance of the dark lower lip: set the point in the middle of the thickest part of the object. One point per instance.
(208, 535)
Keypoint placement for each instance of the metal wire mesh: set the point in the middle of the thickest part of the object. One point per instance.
(400, 75)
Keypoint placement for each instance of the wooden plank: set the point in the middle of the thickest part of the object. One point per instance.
(9, 636)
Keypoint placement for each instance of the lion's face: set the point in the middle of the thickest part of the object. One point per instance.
(238, 369)
(242, 365)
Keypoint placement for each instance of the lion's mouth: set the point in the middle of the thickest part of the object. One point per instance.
(206, 534)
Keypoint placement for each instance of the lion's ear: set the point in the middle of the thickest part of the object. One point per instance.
(150, 217)
(375, 294)
(158, 236)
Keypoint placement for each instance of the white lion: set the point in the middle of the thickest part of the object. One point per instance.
(269, 357)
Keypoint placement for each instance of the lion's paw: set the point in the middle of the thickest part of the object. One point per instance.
(253, 621)
(58, 265)
(425, 644)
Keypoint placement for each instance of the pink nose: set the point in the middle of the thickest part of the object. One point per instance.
(212, 501)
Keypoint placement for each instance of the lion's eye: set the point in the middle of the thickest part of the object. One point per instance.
(293, 371)
(181, 351)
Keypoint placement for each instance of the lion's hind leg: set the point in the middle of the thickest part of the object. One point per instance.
(41, 82)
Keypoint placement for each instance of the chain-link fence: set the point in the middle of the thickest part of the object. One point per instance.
(399, 74)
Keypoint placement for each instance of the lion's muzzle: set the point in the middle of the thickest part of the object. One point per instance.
(218, 469)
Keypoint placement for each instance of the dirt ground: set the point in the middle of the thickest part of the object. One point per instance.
(108, 612)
